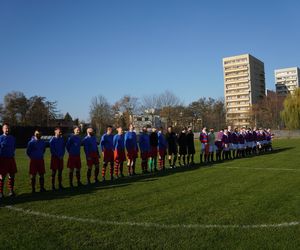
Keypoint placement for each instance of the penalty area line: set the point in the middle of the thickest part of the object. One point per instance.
(149, 224)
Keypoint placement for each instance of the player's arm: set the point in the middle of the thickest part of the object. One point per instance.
(29, 149)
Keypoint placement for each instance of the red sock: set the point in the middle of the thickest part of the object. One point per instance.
(104, 170)
(111, 169)
(117, 168)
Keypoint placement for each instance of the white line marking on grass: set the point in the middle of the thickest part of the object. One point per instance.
(270, 169)
(149, 224)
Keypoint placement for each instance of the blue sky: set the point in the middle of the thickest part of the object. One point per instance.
(70, 51)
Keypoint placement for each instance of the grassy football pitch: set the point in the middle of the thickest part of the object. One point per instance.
(251, 203)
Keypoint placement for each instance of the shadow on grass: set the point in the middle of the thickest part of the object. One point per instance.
(118, 183)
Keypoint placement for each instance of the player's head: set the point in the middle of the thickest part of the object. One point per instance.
(236, 130)
(109, 129)
(161, 129)
(211, 130)
(154, 129)
(170, 129)
(120, 130)
(37, 134)
(5, 128)
(131, 127)
(229, 128)
(76, 130)
(226, 130)
(57, 132)
(184, 129)
(189, 129)
(90, 131)
(204, 129)
(144, 129)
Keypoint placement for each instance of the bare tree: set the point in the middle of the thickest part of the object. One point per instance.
(266, 113)
(150, 102)
(100, 113)
(168, 99)
(209, 111)
(125, 108)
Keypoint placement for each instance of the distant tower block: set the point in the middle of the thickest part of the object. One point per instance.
(244, 85)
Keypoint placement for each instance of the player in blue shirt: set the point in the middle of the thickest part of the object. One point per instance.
(7, 160)
(74, 161)
(144, 143)
(162, 148)
(57, 149)
(119, 152)
(35, 150)
(132, 149)
(107, 147)
(92, 154)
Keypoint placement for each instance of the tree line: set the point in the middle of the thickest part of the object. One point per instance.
(167, 105)
(18, 110)
(272, 111)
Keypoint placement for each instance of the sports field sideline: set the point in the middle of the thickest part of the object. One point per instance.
(251, 203)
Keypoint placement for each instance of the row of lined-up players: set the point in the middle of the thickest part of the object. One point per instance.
(120, 147)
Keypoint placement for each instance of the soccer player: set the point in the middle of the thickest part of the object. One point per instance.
(226, 145)
(230, 151)
(269, 139)
(254, 145)
(57, 149)
(119, 152)
(7, 160)
(171, 139)
(219, 146)
(204, 145)
(162, 147)
(144, 143)
(35, 150)
(241, 140)
(182, 146)
(90, 146)
(107, 147)
(211, 143)
(190, 146)
(153, 150)
(132, 149)
(235, 143)
(249, 141)
(74, 161)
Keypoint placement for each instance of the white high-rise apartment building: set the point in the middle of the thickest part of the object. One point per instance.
(287, 80)
(244, 85)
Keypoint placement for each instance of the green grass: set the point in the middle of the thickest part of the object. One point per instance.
(217, 194)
